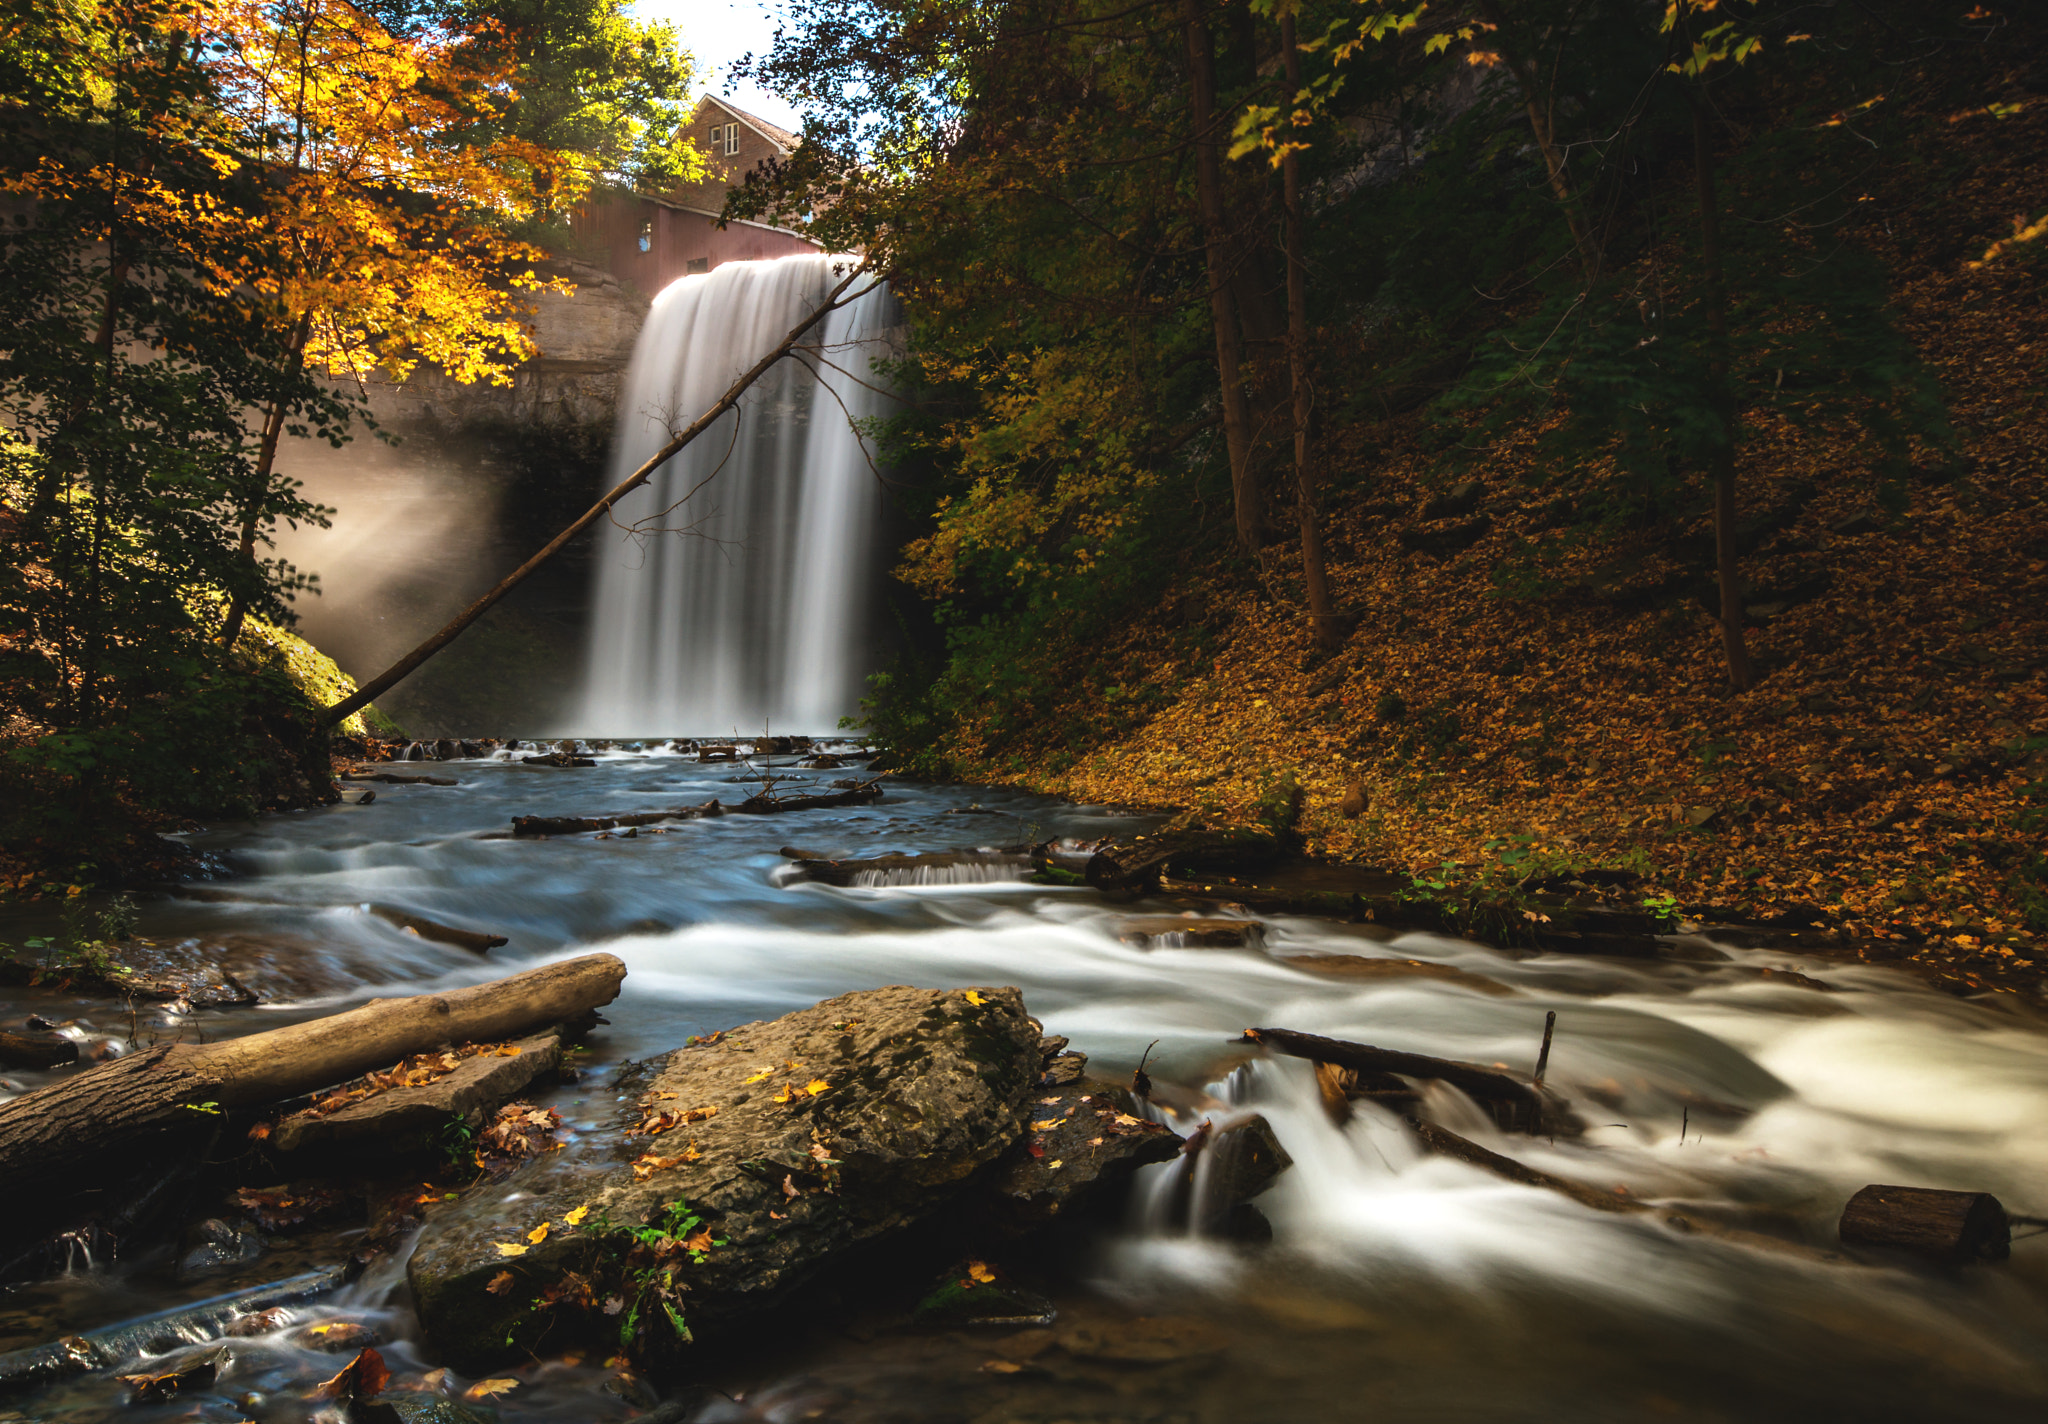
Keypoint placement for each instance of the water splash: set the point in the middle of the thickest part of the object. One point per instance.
(758, 611)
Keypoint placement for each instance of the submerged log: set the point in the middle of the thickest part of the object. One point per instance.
(943, 867)
(769, 804)
(396, 780)
(1189, 932)
(121, 1344)
(1954, 1228)
(557, 759)
(576, 825)
(476, 941)
(1514, 1105)
(171, 1095)
(36, 1050)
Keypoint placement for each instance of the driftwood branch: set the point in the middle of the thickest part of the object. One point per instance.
(384, 681)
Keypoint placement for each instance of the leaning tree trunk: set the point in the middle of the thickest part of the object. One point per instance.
(1322, 617)
(1721, 461)
(1237, 424)
(168, 1096)
(376, 687)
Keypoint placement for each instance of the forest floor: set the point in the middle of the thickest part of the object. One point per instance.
(1888, 771)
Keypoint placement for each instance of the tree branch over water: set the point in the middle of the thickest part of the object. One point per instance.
(405, 666)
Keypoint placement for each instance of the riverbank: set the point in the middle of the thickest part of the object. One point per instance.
(1887, 774)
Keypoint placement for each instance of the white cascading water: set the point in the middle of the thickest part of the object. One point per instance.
(758, 613)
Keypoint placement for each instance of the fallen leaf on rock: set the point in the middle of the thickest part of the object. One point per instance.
(789, 1187)
(194, 1374)
(538, 1234)
(975, 999)
(575, 1218)
(361, 1378)
(509, 1248)
(978, 1271)
(816, 1086)
(484, 1389)
(500, 1283)
(1001, 1367)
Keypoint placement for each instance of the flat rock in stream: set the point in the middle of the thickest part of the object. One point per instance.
(401, 1120)
(1371, 969)
(1084, 1143)
(793, 1141)
(1190, 932)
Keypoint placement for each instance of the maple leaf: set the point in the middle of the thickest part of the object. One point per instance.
(538, 1234)
(975, 998)
(816, 1086)
(484, 1389)
(575, 1218)
(761, 1077)
(1048, 1124)
(613, 1304)
(789, 1187)
(500, 1283)
(510, 1248)
(699, 1242)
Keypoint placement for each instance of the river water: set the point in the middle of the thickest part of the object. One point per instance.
(1396, 1286)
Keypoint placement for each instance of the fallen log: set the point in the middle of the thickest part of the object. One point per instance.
(476, 941)
(1135, 863)
(1953, 1228)
(1515, 1106)
(557, 759)
(118, 1345)
(769, 804)
(169, 1096)
(576, 825)
(396, 780)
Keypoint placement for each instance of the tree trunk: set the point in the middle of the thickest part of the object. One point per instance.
(1538, 110)
(403, 668)
(1515, 1106)
(1322, 617)
(1721, 461)
(1237, 425)
(259, 479)
(166, 1096)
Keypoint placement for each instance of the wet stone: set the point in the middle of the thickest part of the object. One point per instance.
(1190, 932)
(790, 1141)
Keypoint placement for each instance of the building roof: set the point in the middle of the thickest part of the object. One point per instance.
(782, 138)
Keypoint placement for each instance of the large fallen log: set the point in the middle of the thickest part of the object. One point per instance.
(164, 1098)
(475, 941)
(1515, 1106)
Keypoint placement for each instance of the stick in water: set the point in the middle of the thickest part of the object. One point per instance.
(1543, 1057)
(384, 681)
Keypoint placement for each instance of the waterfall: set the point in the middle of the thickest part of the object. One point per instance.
(759, 611)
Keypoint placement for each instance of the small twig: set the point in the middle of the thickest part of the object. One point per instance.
(1543, 1056)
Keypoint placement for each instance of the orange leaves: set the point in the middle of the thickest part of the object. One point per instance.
(654, 1121)
(648, 1163)
(798, 1092)
(391, 211)
(364, 1377)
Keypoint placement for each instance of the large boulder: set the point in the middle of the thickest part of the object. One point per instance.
(735, 1168)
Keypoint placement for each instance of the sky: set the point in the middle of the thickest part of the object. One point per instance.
(719, 32)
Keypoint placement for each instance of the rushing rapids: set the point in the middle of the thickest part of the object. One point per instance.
(1397, 1285)
(734, 590)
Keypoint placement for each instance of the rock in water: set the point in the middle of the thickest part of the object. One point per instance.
(736, 1168)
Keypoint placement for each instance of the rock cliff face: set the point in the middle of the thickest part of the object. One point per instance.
(735, 1169)
(585, 340)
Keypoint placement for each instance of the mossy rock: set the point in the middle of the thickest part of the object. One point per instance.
(315, 674)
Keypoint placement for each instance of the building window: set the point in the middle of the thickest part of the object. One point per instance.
(646, 236)
(696, 265)
(725, 139)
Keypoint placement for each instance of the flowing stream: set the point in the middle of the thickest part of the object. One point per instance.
(734, 588)
(1397, 1286)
